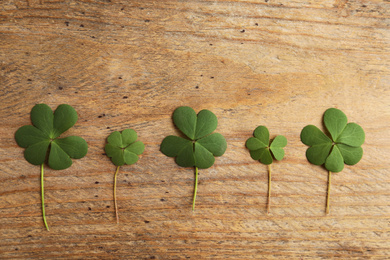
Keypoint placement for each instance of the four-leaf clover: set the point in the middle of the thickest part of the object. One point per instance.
(262, 149)
(42, 141)
(200, 145)
(343, 145)
(123, 149)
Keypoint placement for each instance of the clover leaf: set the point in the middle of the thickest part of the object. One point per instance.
(262, 149)
(200, 144)
(123, 149)
(43, 144)
(342, 146)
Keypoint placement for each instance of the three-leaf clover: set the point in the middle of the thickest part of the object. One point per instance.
(200, 145)
(123, 149)
(42, 141)
(262, 149)
(342, 146)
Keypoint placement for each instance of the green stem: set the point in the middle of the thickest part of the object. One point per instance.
(328, 193)
(196, 188)
(269, 189)
(43, 200)
(115, 204)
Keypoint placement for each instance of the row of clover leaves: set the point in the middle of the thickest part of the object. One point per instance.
(196, 149)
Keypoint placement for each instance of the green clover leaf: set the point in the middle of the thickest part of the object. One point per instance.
(42, 141)
(262, 149)
(43, 137)
(343, 146)
(123, 148)
(200, 146)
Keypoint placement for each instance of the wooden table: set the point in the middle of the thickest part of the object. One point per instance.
(129, 64)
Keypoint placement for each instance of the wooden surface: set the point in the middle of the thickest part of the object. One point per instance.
(129, 64)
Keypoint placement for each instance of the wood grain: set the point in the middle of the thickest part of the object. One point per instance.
(129, 64)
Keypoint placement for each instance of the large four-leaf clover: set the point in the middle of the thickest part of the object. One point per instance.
(123, 149)
(262, 149)
(43, 136)
(42, 141)
(200, 145)
(342, 146)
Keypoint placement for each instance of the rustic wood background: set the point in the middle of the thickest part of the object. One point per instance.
(129, 64)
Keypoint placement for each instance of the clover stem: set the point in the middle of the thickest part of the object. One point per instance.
(328, 193)
(196, 188)
(115, 204)
(269, 189)
(43, 200)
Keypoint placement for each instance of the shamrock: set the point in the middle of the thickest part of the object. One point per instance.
(42, 143)
(262, 149)
(123, 149)
(200, 145)
(343, 145)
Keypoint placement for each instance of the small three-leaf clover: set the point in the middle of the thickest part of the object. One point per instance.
(343, 145)
(123, 148)
(42, 141)
(200, 146)
(262, 149)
